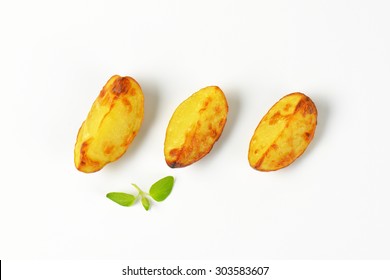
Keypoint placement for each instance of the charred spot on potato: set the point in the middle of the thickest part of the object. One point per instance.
(174, 152)
(102, 93)
(307, 136)
(221, 124)
(287, 159)
(259, 162)
(213, 132)
(217, 109)
(83, 149)
(275, 118)
(305, 106)
(84, 160)
(108, 149)
(174, 164)
(127, 103)
(205, 105)
(121, 85)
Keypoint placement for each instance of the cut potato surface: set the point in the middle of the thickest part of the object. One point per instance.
(195, 126)
(111, 125)
(284, 133)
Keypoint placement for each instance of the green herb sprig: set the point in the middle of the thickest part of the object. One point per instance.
(159, 191)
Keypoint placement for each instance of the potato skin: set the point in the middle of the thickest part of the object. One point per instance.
(284, 133)
(111, 125)
(195, 126)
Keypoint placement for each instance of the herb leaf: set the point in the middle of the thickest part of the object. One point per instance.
(145, 203)
(160, 190)
(123, 199)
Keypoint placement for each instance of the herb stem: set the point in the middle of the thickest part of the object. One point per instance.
(139, 190)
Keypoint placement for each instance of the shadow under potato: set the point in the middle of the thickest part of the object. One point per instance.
(324, 113)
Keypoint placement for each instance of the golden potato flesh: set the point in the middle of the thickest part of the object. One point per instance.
(195, 126)
(111, 125)
(284, 133)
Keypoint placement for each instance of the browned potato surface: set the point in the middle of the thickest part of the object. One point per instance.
(111, 125)
(195, 126)
(284, 133)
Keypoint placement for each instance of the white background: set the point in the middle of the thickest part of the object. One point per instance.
(332, 203)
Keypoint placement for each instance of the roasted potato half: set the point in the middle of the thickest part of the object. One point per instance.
(284, 133)
(195, 126)
(111, 125)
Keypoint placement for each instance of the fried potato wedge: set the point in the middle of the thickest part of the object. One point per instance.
(111, 125)
(195, 126)
(284, 133)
